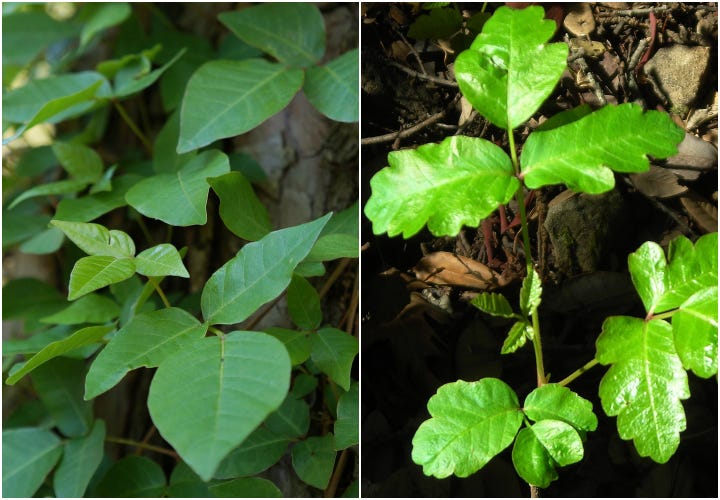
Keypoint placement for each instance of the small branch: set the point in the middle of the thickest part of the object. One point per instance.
(424, 76)
(578, 372)
(331, 490)
(334, 276)
(262, 314)
(138, 444)
(402, 134)
(639, 12)
(130, 123)
(159, 291)
(414, 52)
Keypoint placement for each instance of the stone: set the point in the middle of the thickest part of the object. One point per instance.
(677, 73)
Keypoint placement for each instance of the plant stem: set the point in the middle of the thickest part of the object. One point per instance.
(520, 198)
(216, 331)
(138, 444)
(130, 123)
(159, 291)
(578, 372)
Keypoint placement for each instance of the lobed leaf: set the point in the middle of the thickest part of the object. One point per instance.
(690, 268)
(95, 272)
(509, 70)
(160, 260)
(457, 182)
(695, 329)
(584, 153)
(333, 351)
(517, 336)
(97, 240)
(471, 423)
(208, 397)
(493, 303)
(530, 294)
(644, 385)
(258, 274)
(555, 402)
(146, 340)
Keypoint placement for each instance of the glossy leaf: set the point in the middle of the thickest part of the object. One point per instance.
(695, 329)
(291, 420)
(95, 272)
(471, 423)
(79, 161)
(241, 211)
(101, 17)
(59, 385)
(530, 294)
(333, 88)
(314, 459)
(303, 303)
(132, 476)
(160, 260)
(146, 340)
(180, 198)
(333, 351)
(457, 182)
(555, 402)
(228, 98)
(644, 385)
(690, 268)
(94, 239)
(258, 274)
(347, 425)
(81, 458)
(509, 69)
(583, 154)
(293, 33)
(493, 303)
(297, 343)
(544, 446)
(91, 308)
(259, 451)
(648, 267)
(246, 487)
(80, 338)
(29, 454)
(207, 398)
(516, 337)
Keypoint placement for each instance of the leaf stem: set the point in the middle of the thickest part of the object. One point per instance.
(216, 331)
(138, 444)
(520, 198)
(130, 123)
(159, 291)
(578, 372)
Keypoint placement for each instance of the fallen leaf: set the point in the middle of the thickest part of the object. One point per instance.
(658, 183)
(702, 212)
(445, 268)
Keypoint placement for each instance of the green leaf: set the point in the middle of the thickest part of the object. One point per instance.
(690, 269)
(59, 385)
(180, 198)
(46, 299)
(333, 351)
(314, 459)
(29, 454)
(43, 243)
(293, 33)
(303, 384)
(88, 309)
(81, 162)
(240, 209)
(26, 34)
(184, 483)
(81, 458)
(297, 343)
(695, 329)
(583, 153)
(439, 23)
(258, 274)
(33, 344)
(333, 88)
(647, 267)
(339, 238)
(93, 206)
(347, 425)
(160, 260)
(137, 83)
(509, 70)
(246, 487)
(458, 182)
(94, 239)
(165, 158)
(101, 17)
(495, 304)
(259, 451)
(303, 303)
(555, 402)
(471, 423)
(95, 272)
(132, 477)
(146, 340)
(644, 385)
(530, 294)
(207, 398)
(517, 336)
(80, 338)
(60, 187)
(544, 446)
(228, 98)
(291, 420)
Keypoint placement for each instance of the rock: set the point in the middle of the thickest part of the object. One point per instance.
(579, 20)
(677, 72)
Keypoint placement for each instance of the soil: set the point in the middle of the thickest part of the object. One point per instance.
(415, 338)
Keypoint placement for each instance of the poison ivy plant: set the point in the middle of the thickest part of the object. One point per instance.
(506, 74)
(166, 256)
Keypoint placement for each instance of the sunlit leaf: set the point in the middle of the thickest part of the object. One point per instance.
(160, 260)
(555, 402)
(95, 272)
(695, 329)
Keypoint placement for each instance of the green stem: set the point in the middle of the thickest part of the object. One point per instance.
(520, 198)
(216, 331)
(138, 444)
(578, 372)
(130, 123)
(159, 291)
(666, 314)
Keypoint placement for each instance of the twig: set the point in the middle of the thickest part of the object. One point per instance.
(336, 475)
(425, 76)
(130, 442)
(334, 276)
(414, 52)
(402, 134)
(640, 12)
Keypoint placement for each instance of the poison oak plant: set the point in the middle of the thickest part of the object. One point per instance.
(229, 403)
(506, 75)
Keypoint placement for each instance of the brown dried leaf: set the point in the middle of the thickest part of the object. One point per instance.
(702, 212)
(694, 153)
(445, 268)
(658, 182)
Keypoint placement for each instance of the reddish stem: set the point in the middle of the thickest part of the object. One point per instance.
(653, 36)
